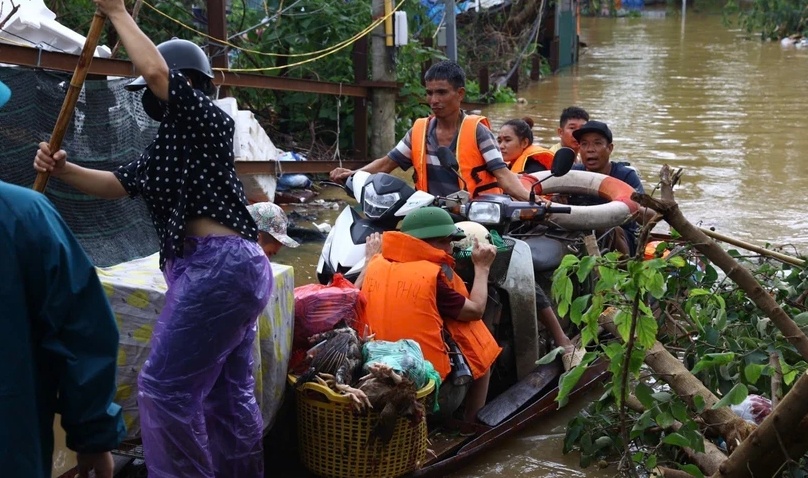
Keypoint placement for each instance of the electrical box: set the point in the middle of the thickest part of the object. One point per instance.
(442, 37)
(402, 31)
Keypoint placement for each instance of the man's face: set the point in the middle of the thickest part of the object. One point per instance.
(565, 133)
(443, 98)
(595, 151)
(269, 244)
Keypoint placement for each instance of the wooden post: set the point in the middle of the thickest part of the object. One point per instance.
(217, 28)
(513, 81)
(360, 61)
(383, 117)
(535, 67)
(484, 78)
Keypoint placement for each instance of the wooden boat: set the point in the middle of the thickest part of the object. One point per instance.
(453, 450)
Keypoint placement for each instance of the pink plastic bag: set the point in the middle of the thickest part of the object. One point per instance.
(319, 308)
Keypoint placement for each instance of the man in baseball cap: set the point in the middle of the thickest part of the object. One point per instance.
(272, 224)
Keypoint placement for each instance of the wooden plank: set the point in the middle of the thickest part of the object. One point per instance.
(511, 400)
(49, 60)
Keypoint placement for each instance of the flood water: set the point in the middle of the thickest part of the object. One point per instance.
(689, 93)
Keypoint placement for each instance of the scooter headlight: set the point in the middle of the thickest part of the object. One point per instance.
(485, 212)
(374, 205)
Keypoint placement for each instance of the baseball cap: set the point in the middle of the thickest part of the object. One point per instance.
(593, 127)
(430, 223)
(5, 94)
(271, 219)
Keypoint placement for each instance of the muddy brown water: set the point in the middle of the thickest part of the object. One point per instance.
(689, 93)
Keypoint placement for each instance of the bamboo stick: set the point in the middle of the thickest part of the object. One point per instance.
(73, 91)
(751, 247)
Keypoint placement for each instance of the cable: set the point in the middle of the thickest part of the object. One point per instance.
(324, 52)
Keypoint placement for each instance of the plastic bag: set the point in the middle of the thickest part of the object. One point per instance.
(318, 308)
(403, 356)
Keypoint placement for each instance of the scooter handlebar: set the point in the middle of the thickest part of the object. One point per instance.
(559, 210)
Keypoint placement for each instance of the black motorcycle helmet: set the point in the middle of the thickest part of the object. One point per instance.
(180, 55)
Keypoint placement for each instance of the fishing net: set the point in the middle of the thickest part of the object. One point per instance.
(109, 128)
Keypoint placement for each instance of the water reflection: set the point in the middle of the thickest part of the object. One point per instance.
(728, 110)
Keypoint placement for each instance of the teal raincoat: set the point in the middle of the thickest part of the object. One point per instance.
(59, 340)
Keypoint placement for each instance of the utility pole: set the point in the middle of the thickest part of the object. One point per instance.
(451, 29)
(383, 112)
(217, 28)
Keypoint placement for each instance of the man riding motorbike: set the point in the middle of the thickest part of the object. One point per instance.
(480, 162)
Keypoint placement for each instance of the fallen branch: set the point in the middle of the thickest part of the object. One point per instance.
(708, 461)
(751, 247)
(718, 256)
(669, 369)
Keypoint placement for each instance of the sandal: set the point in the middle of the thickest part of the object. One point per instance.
(573, 358)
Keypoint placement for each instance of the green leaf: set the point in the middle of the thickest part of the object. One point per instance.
(676, 439)
(567, 383)
(622, 320)
(643, 423)
(698, 292)
(568, 261)
(713, 360)
(603, 442)
(643, 393)
(646, 331)
(578, 307)
(735, 396)
(585, 267)
(677, 261)
(651, 462)
(753, 371)
(656, 286)
(663, 397)
(679, 411)
(693, 470)
(664, 420)
(550, 356)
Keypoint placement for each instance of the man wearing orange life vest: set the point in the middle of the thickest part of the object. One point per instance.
(480, 163)
(414, 293)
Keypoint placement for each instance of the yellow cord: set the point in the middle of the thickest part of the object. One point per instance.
(322, 53)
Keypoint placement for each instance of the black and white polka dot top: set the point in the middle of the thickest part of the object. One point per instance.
(188, 170)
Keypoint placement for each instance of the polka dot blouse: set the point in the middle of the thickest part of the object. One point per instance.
(188, 170)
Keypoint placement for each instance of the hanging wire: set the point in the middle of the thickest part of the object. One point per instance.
(322, 53)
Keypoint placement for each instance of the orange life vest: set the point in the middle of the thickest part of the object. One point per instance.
(401, 289)
(536, 152)
(469, 158)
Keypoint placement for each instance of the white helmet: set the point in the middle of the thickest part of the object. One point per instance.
(473, 230)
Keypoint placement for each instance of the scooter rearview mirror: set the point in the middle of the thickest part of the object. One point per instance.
(563, 160)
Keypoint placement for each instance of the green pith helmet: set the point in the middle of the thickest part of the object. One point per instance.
(430, 223)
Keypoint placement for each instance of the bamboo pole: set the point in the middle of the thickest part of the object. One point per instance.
(73, 91)
(751, 247)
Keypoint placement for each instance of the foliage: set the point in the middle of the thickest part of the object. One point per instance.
(277, 40)
(771, 19)
(685, 303)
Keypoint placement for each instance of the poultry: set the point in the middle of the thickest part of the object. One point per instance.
(335, 360)
(393, 395)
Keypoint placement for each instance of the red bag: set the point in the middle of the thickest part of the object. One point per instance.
(318, 308)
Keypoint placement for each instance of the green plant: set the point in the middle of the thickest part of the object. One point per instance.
(683, 302)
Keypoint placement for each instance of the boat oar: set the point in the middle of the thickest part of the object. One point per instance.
(751, 247)
(73, 91)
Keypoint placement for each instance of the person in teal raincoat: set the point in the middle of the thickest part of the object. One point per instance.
(59, 343)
